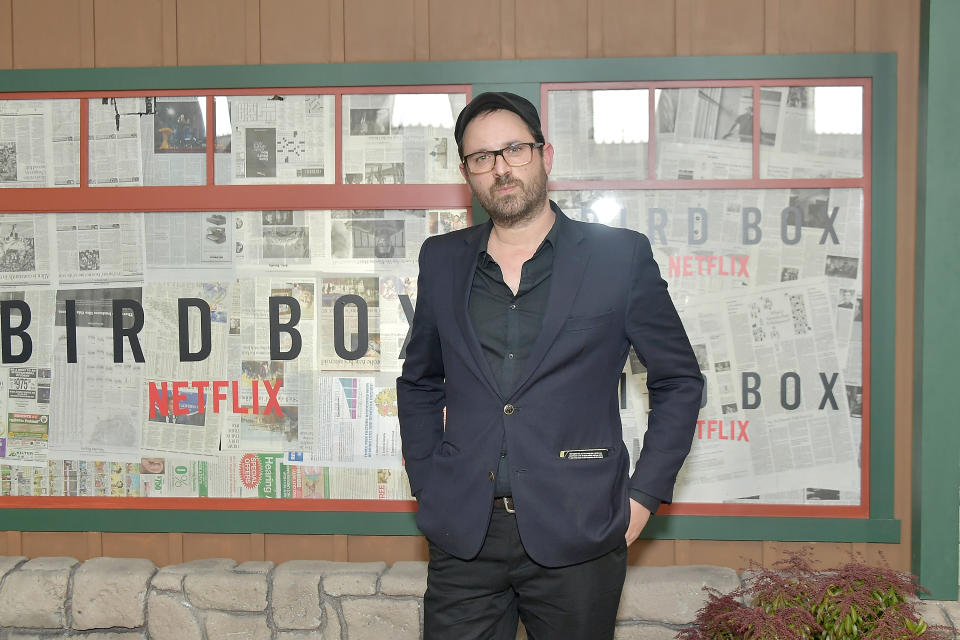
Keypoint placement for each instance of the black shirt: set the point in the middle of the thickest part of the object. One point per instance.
(507, 325)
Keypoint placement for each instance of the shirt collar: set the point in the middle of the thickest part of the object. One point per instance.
(483, 258)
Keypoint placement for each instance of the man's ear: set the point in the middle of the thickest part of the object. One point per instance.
(463, 171)
(547, 150)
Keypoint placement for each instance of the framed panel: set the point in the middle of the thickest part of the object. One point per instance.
(278, 261)
(275, 139)
(704, 133)
(136, 141)
(404, 138)
(768, 277)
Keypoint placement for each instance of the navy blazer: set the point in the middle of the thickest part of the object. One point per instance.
(606, 295)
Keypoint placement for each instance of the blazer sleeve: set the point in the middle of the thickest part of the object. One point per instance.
(420, 388)
(673, 376)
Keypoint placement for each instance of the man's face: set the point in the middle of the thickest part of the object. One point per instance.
(511, 195)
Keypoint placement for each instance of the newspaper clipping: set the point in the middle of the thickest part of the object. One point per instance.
(400, 138)
(39, 143)
(280, 140)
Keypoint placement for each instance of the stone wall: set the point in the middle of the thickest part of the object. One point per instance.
(130, 599)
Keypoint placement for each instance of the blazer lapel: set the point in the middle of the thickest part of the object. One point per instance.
(569, 265)
(463, 282)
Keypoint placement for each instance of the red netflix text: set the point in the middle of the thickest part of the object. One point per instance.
(700, 265)
(723, 430)
(164, 400)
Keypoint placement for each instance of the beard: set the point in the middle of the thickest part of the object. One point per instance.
(512, 209)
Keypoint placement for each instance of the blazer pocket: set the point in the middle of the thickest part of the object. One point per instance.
(582, 323)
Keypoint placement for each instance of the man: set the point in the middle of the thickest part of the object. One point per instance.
(521, 330)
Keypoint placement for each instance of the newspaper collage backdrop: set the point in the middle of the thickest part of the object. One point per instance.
(222, 396)
(769, 283)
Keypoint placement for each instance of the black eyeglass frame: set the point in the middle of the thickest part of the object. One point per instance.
(499, 152)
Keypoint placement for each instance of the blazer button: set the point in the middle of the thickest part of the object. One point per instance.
(508, 409)
(492, 477)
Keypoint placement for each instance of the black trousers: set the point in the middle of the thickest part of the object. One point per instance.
(481, 599)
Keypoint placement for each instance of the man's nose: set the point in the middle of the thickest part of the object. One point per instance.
(500, 166)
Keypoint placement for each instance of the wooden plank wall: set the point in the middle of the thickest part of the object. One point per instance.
(112, 33)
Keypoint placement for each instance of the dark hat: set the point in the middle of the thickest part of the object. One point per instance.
(495, 101)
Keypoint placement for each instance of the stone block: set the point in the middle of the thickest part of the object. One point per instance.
(254, 567)
(227, 590)
(407, 578)
(316, 634)
(375, 619)
(236, 627)
(110, 592)
(167, 581)
(9, 563)
(644, 632)
(199, 566)
(328, 568)
(296, 600)
(171, 618)
(170, 578)
(671, 595)
(351, 584)
(51, 563)
(36, 597)
(301, 567)
(115, 635)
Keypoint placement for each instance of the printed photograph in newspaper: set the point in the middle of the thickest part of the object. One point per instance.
(261, 159)
(8, 161)
(179, 127)
(370, 122)
(17, 247)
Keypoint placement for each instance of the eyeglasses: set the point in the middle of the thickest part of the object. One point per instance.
(515, 155)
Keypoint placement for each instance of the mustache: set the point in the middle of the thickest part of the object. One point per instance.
(505, 181)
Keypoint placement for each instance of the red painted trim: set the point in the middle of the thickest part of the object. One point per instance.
(196, 504)
(238, 198)
(663, 185)
(252, 91)
(397, 506)
(765, 510)
(681, 84)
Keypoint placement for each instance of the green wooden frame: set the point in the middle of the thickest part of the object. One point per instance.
(517, 76)
(936, 438)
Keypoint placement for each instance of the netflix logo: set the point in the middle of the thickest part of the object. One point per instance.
(174, 399)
